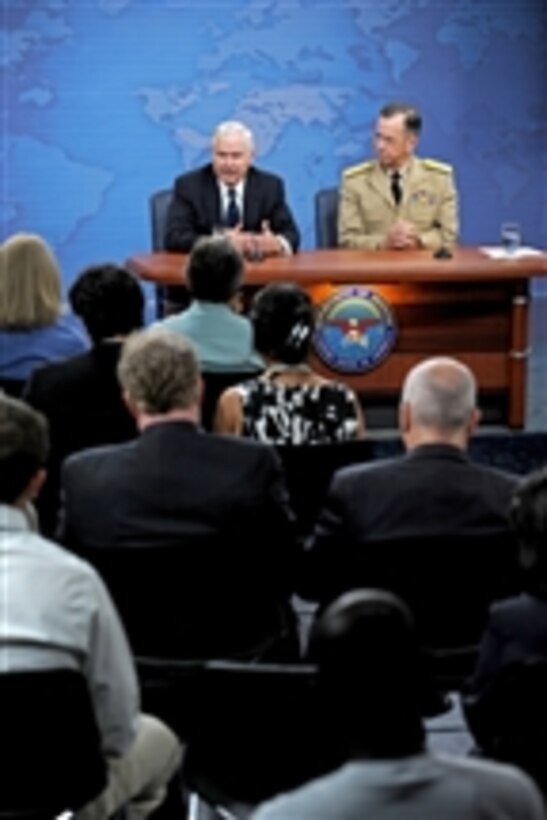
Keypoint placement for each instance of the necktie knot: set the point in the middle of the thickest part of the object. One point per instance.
(232, 212)
(396, 189)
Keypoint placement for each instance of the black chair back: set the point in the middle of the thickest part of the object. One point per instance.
(448, 581)
(52, 759)
(326, 218)
(252, 730)
(159, 205)
(509, 721)
(203, 596)
(309, 470)
(169, 299)
(12, 387)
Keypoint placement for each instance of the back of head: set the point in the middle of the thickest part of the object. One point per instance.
(411, 115)
(215, 270)
(369, 662)
(283, 319)
(23, 446)
(441, 393)
(528, 516)
(159, 371)
(109, 300)
(30, 283)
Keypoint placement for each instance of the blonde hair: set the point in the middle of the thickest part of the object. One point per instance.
(30, 283)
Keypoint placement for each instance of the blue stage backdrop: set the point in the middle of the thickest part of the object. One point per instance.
(104, 101)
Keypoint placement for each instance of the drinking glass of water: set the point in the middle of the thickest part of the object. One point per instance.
(510, 237)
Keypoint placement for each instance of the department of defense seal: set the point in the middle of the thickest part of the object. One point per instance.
(355, 330)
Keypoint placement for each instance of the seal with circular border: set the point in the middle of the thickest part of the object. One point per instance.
(355, 330)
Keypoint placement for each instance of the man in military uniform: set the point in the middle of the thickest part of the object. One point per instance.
(398, 201)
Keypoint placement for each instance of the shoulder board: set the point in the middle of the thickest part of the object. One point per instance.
(435, 165)
(357, 169)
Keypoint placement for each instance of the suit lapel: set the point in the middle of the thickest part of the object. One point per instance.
(251, 202)
(211, 199)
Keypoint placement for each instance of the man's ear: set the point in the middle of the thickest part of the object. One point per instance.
(474, 420)
(201, 390)
(130, 404)
(405, 417)
(32, 490)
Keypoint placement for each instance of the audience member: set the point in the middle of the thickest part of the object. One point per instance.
(33, 327)
(81, 396)
(517, 627)
(217, 505)
(58, 614)
(289, 403)
(397, 200)
(222, 339)
(432, 492)
(368, 659)
(230, 194)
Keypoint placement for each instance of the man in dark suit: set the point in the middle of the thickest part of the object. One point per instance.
(210, 512)
(432, 495)
(81, 396)
(516, 632)
(229, 194)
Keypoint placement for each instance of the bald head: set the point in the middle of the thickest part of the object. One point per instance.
(438, 402)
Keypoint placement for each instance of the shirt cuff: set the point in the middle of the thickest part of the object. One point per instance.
(284, 245)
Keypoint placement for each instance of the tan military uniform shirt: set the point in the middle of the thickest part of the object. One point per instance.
(368, 210)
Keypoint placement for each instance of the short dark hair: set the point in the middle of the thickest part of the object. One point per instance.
(109, 300)
(412, 117)
(215, 269)
(24, 446)
(369, 660)
(284, 320)
(528, 518)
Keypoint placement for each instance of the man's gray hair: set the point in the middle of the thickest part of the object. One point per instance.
(231, 128)
(442, 393)
(159, 370)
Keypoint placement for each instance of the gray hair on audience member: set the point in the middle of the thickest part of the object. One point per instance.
(442, 393)
(159, 371)
(231, 128)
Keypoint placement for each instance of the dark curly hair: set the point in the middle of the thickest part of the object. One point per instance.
(109, 300)
(284, 320)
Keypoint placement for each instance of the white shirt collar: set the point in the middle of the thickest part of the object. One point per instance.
(239, 189)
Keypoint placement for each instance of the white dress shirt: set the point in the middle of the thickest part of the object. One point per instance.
(56, 612)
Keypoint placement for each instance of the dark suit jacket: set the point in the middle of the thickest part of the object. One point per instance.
(405, 523)
(81, 398)
(507, 690)
(210, 513)
(516, 631)
(195, 208)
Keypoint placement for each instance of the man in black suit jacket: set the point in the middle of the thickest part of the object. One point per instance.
(516, 631)
(81, 396)
(430, 497)
(211, 513)
(258, 220)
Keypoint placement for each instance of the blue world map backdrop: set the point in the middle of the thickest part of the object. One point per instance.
(105, 101)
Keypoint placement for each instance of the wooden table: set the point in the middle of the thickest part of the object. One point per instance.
(470, 306)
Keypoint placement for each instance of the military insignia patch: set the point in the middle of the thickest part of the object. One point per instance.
(423, 197)
(355, 330)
